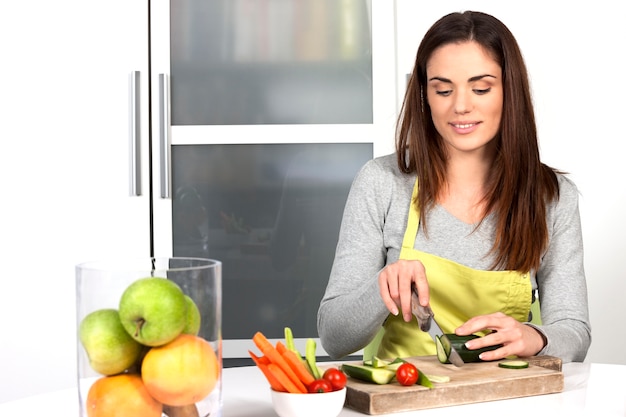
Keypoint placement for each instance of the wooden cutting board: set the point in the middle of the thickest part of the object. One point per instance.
(471, 383)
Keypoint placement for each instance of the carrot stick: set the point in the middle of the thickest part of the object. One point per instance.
(280, 347)
(282, 377)
(263, 360)
(274, 382)
(259, 359)
(298, 366)
(276, 358)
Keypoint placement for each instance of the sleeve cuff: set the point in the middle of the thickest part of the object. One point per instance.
(543, 336)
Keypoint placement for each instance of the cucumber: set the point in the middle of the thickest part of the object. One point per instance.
(379, 363)
(423, 380)
(447, 345)
(441, 379)
(442, 355)
(311, 362)
(366, 373)
(290, 343)
(458, 343)
(513, 364)
(395, 364)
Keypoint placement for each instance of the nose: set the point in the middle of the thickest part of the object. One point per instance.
(463, 102)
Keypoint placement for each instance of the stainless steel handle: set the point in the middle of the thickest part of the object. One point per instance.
(164, 135)
(134, 133)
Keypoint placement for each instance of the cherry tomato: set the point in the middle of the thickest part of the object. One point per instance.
(320, 385)
(406, 374)
(336, 378)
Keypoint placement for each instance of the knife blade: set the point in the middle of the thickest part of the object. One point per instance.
(427, 323)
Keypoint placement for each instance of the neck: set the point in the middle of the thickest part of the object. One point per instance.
(465, 188)
(467, 173)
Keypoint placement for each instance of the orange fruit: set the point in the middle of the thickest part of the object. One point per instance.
(181, 372)
(121, 395)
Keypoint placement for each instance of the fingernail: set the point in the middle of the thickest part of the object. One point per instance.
(468, 345)
(394, 311)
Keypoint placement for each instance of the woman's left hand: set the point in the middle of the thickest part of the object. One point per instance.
(517, 338)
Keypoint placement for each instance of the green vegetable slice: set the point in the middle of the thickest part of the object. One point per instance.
(290, 343)
(445, 342)
(366, 373)
(309, 354)
(395, 364)
(441, 379)
(513, 364)
(441, 351)
(423, 380)
(379, 363)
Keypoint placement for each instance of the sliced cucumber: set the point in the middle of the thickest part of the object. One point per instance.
(290, 343)
(442, 355)
(395, 364)
(513, 364)
(366, 373)
(379, 363)
(423, 380)
(310, 356)
(441, 379)
(445, 342)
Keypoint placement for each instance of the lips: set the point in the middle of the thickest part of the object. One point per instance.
(464, 127)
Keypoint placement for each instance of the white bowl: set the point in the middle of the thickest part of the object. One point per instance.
(326, 404)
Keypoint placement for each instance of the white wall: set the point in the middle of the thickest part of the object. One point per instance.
(575, 55)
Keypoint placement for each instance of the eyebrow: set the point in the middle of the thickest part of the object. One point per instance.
(471, 79)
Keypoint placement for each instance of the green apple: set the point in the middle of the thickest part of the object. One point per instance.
(193, 317)
(108, 345)
(153, 310)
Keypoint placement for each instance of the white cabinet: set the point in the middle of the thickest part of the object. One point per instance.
(64, 172)
(271, 107)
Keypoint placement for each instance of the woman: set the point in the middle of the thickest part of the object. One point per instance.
(464, 212)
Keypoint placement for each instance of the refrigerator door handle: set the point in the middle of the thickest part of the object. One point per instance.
(134, 133)
(164, 135)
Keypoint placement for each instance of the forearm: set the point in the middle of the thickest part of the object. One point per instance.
(348, 322)
(565, 316)
(352, 311)
(562, 284)
(573, 341)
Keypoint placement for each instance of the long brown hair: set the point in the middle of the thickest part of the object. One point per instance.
(519, 185)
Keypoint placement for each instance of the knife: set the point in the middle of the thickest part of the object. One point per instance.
(426, 319)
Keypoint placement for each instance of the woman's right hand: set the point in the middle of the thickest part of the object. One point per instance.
(395, 283)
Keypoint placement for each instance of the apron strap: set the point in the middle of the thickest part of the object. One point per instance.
(408, 242)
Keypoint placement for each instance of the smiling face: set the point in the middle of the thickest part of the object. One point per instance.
(465, 94)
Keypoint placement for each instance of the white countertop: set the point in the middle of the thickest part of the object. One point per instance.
(597, 390)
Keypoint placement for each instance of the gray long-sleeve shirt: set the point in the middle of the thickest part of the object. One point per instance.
(370, 238)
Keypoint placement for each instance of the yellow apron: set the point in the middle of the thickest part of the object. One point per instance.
(457, 293)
